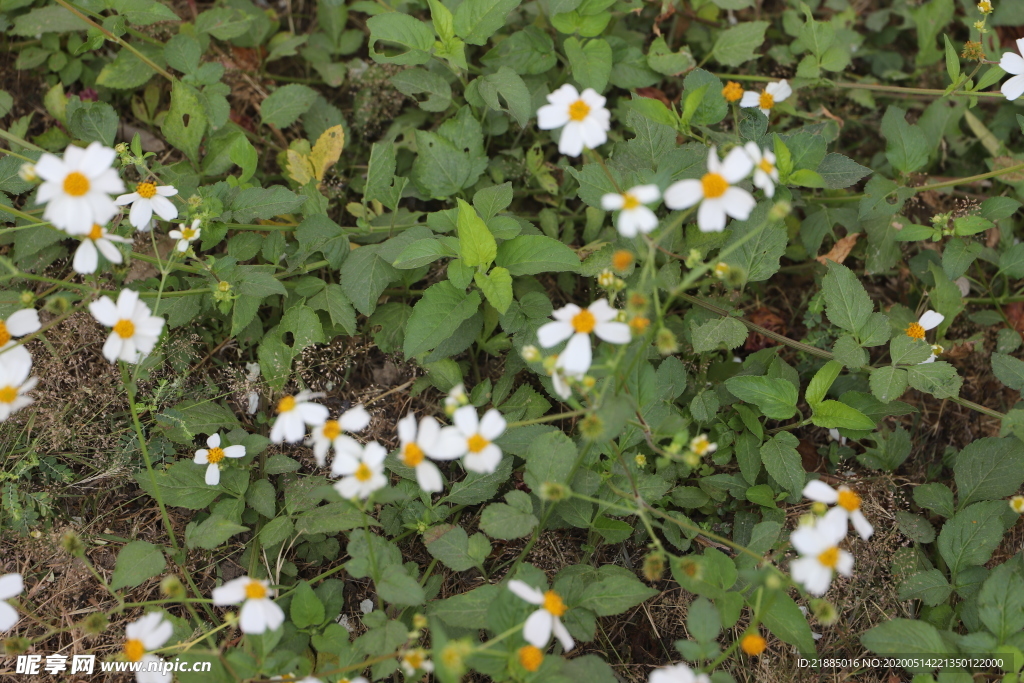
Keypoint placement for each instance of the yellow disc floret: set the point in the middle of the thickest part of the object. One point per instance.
(146, 190)
(133, 650)
(578, 110)
(286, 404)
(733, 91)
(96, 232)
(76, 184)
(477, 443)
(8, 394)
(753, 644)
(412, 454)
(714, 185)
(215, 455)
(915, 331)
(848, 499)
(530, 657)
(553, 603)
(584, 322)
(363, 473)
(766, 101)
(255, 590)
(829, 558)
(629, 202)
(125, 329)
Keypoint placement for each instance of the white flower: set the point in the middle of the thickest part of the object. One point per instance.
(142, 636)
(702, 446)
(259, 613)
(936, 352)
(581, 116)
(847, 502)
(362, 471)
(678, 673)
(715, 191)
(214, 455)
(929, 320)
(20, 323)
(1016, 504)
(10, 586)
(330, 433)
(836, 436)
(547, 620)
(772, 94)
(1013, 63)
(135, 331)
(186, 236)
(820, 555)
(765, 173)
(86, 258)
(575, 322)
(416, 660)
(76, 189)
(416, 445)
(455, 399)
(293, 414)
(474, 438)
(15, 383)
(147, 199)
(560, 379)
(634, 216)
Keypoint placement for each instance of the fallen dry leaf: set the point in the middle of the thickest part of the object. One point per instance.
(840, 250)
(768, 320)
(654, 94)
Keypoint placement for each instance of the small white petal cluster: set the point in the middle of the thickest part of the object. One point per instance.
(929, 320)
(16, 362)
(11, 585)
(329, 433)
(820, 554)
(214, 455)
(186, 235)
(677, 673)
(77, 188)
(847, 504)
(134, 331)
(294, 413)
(97, 241)
(582, 117)
(149, 198)
(576, 324)
(547, 620)
(259, 612)
(716, 191)
(141, 638)
(634, 216)
(416, 660)
(1013, 64)
(765, 100)
(472, 439)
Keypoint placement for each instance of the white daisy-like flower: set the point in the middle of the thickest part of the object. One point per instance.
(765, 173)
(416, 660)
(847, 504)
(86, 256)
(455, 399)
(362, 472)
(15, 382)
(575, 324)
(716, 192)
(936, 352)
(1013, 64)
(581, 116)
(634, 216)
(820, 555)
(547, 620)
(143, 636)
(186, 235)
(20, 323)
(214, 455)
(474, 438)
(135, 332)
(259, 613)
(328, 434)
(77, 188)
(294, 413)
(149, 198)
(11, 585)
(929, 320)
(416, 445)
(677, 673)
(765, 100)
(702, 446)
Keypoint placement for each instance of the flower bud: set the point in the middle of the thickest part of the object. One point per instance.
(72, 544)
(691, 568)
(640, 460)
(773, 581)
(639, 325)
(621, 260)
(554, 492)
(170, 586)
(779, 211)
(94, 624)
(57, 305)
(654, 565)
(824, 611)
(691, 459)
(721, 270)
(419, 621)
(27, 298)
(27, 172)
(453, 656)
(588, 382)
(530, 353)
(591, 427)
(819, 508)
(1017, 504)
(666, 342)
(606, 279)
(693, 258)
(637, 303)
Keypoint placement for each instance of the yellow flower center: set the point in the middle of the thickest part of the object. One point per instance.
(766, 101)
(188, 234)
(639, 324)
(363, 473)
(733, 91)
(530, 657)
(829, 558)
(286, 404)
(915, 331)
(553, 603)
(414, 659)
(629, 202)
(477, 443)
(714, 185)
(146, 190)
(621, 260)
(849, 500)
(1017, 504)
(753, 644)
(5, 336)
(215, 455)
(700, 444)
(255, 590)
(578, 110)
(125, 329)
(76, 184)
(766, 166)
(8, 394)
(96, 232)
(331, 430)
(584, 322)
(412, 455)
(133, 650)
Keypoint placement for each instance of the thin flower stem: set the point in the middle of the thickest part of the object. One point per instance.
(895, 89)
(10, 137)
(933, 186)
(546, 418)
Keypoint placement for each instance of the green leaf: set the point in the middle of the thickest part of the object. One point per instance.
(185, 136)
(418, 81)
(888, 383)
(989, 469)
(1001, 602)
(789, 624)
(450, 159)
(782, 461)
(938, 379)
(497, 287)
(1011, 261)
(971, 536)
(262, 497)
(213, 532)
(94, 122)
(819, 385)
(757, 256)
(284, 106)
(412, 38)
(183, 53)
(816, 36)
(137, 562)
(703, 621)
(661, 58)
(127, 71)
(397, 587)
(905, 637)
(256, 202)
(437, 315)
(591, 62)
(935, 497)
(726, 331)
(478, 20)
(915, 527)
(617, 591)
(450, 545)
(775, 397)
(958, 256)
(468, 610)
(905, 350)
(533, 254)
(952, 61)
(550, 458)
(49, 19)
(476, 243)
(737, 44)
(364, 277)
(144, 12)
(849, 353)
(476, 487)
(839, 172)
(332, 298)
(509, 85)
(907, 146)
(836, 415)
(1008, 370)
(244, 155)
(306, 609)
(182, 484)
(224, 23)
(512, 519)
(847, 304)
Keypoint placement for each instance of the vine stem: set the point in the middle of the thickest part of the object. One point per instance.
(933, 186)
(935, 92)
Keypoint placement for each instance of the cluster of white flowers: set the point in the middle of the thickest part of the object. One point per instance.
(817, 538)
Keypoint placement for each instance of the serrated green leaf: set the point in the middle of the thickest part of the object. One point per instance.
(137, 562)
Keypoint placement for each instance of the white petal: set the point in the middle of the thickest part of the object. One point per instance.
(355, 419)
(51, 168)
(602, 311)
(577, 356)
(107, 248)
(645, 219)
(492, 425)
(164, 208)
(213, 441)
(126, 302)
(570, 143)
(552, 333)
(627, 224)
(683, 194)
(737, 165)
(140, 214)
(1013, 88)
(646, 194)
(231, 593)
(845, 564)
(750, 99)
(105, 311)
(160, 633)
(537, 629)
(12, 584)
(812, 574)
(1012, 63)
(407, 428)
(86, 258)
(779, 91)
(251, 619)
(374, 454)
(235, 451)
(25, 321)
(613, 333)
(450, 444)
(166, 191)
(466, 420)
(929, 320)
(562, 634)
(552, 116)
(613, 201)
(861, 524)
(593, 131)
(96, 159)
(429, 477)
(819, 491)
(564, 95)
(348, 488)
(711, 216)
(484, 462)
(566, 313)
(8, 617)
(112, 347)
(808, 541)
(593, 99)
(313, 414)
(343, 464)
(202, 457)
